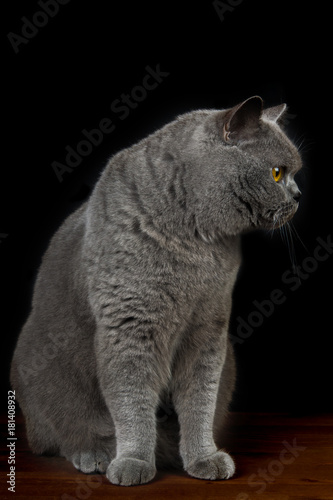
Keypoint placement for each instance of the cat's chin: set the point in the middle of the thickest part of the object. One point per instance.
(273, 219)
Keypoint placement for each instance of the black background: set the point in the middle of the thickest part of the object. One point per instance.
(64, 80)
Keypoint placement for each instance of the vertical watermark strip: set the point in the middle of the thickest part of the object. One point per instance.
(11, 445)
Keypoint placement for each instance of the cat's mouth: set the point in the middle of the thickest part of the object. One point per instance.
(276, 218)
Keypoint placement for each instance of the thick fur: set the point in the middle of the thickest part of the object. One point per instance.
(124, 361)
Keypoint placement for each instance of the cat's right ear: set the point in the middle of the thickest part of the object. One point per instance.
(242, 121)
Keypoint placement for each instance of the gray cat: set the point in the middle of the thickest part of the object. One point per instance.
(124, 363)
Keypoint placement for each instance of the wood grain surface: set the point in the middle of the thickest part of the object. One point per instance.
(278, 457)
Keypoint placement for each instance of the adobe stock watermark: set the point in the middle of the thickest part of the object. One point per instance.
(85, 487)
(222, 8)
(40, 359)
(11, 444)
(30, 27)
(121, 108)
(292, 279)
(3, 236)
(267, 475)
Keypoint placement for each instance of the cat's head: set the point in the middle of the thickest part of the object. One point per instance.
(244, 168)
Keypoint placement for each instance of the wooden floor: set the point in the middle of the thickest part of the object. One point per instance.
(278, 457)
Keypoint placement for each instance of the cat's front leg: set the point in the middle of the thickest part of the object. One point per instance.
(196, 381)
(130, 375)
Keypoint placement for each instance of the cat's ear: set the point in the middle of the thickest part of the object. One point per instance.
(242, 121)
(275, 113)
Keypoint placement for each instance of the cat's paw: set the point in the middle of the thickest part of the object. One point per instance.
(220, 465)
(130, 471)
(91, 461)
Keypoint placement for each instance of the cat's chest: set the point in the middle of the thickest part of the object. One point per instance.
(207, 279)
(201, 295)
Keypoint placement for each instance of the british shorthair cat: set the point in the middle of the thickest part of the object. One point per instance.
(131, 305)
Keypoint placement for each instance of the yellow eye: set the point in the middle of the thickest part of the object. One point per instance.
(278, 173)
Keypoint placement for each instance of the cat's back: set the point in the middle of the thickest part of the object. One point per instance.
(60, 265)
(59, 311)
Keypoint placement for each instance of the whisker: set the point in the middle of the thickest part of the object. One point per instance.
(291, 248)
(287, 238)
(276, 219)
(302, 143)
(293, 229)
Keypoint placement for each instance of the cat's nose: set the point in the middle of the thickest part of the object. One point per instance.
(297, 195)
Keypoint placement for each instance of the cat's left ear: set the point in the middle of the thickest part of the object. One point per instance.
(275, 113)
(242, 121)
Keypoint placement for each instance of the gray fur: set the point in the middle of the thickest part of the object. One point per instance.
(132, 301)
